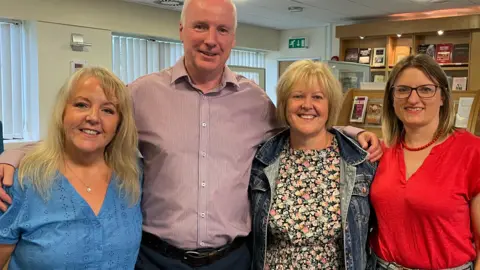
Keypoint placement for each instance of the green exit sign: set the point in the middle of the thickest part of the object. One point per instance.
(296, 43)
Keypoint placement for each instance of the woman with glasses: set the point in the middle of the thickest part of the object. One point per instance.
(426, 189)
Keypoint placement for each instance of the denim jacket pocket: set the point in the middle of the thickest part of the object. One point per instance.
(259, 185)
(362, 185)
(360, 200)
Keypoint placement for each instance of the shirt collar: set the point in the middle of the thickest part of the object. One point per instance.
(179, 71)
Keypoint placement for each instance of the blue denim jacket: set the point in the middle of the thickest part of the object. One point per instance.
(356, 174)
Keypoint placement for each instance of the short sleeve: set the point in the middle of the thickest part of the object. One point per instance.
(474, 183)
(473, 172)
(350, 131)
(9, 221)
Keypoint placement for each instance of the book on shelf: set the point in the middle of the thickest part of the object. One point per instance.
(351, 55)
(428, 49)
(364, 56)
(463, 112)
(374, 112)
(359, 108)
(378, 59)
(379, 78)
(461, 53)
(444, 53)
(402, 52)
(459, 83)
(450, 82)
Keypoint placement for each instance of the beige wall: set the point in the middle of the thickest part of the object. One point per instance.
(55, 54)
(318, 39)
(124, 17)
(51, 23)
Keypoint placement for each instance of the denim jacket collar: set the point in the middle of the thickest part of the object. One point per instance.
(350, 151)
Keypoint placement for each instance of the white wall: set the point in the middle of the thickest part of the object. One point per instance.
(123, 17)
(55, 54)
(51, 22)
(318, 47)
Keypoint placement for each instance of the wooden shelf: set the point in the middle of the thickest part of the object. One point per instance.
(446, 67)
(455, 68)
(383, 34)
(344, 117)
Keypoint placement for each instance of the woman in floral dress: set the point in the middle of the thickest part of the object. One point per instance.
(310, 184)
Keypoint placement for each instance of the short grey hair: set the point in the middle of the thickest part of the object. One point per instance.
(187, 2)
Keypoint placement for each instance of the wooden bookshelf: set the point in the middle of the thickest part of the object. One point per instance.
(344, 117)
(383, 34)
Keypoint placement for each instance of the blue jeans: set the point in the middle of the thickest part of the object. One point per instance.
(375, 263)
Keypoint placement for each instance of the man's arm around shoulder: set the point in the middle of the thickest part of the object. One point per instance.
(9, 160)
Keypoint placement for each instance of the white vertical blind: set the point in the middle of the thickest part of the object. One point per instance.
(244, 58)
(12, 111)
(254, 76)
(135, 57)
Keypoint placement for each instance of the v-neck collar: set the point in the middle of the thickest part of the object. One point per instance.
(83, 201)
(437, 149)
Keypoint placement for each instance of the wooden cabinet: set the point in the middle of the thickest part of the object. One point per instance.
(396, 36)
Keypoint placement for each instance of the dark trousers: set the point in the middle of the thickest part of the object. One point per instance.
(149, 259)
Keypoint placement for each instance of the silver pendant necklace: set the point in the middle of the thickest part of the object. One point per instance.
(83, 183)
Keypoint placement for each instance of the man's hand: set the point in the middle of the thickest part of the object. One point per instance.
(6, 177)
(370, 142)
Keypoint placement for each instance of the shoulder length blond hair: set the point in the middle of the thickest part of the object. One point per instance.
(392, 127)
(40, 166)
(309, 73)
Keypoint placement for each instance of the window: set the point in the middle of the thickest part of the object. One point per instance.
(12, 85)
(134, 57)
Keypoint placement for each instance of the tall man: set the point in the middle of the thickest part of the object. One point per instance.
(199, 126)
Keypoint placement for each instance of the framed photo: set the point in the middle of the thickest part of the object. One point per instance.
(76, 65)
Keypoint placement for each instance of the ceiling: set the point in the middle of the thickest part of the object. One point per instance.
(275, 14)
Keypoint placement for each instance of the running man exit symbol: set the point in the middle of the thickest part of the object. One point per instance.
(296, 43)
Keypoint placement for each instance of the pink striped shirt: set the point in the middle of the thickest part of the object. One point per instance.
(198, 150)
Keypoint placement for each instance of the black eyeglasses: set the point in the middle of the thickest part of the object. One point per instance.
(423, 91)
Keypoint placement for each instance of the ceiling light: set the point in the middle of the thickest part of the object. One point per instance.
(440, 32)
(399, 35)
(361, 37)
(169, 3)
(295, 9)
(429, 1)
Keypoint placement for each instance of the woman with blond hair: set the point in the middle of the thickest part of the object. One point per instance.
(76, 195)
(310, 184)
(426, 190)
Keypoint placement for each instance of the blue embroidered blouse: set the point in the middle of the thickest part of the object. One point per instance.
(64, 232)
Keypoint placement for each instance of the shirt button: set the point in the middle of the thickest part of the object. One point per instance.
(204, 154)
(204, 124)
(203, 184)
(202, 215)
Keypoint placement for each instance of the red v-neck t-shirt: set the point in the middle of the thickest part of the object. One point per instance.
(425, 222)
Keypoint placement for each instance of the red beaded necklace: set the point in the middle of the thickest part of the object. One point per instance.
(421, 147)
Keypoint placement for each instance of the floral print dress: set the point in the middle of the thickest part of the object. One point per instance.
(305, 229)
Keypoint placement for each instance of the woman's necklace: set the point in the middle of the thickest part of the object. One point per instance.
(89, 189)
(421, 147)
